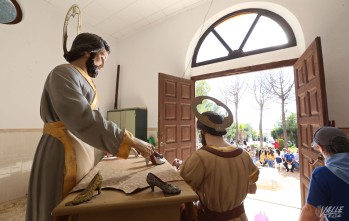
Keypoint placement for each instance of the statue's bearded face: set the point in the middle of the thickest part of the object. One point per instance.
(96, 62)
(203, 139)
(92, 69)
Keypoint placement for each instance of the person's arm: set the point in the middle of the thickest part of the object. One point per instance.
(73, 109)
(318, 194)
(192, 170)
(253, 177)
(146, 149)
(308, 213)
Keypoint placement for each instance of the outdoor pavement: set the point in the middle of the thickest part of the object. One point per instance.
(277, 197)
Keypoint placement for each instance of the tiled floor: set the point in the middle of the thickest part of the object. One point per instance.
(277, 197)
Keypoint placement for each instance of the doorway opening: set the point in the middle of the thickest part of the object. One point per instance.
(263, 105)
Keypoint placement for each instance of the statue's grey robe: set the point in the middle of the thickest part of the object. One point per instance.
(66, 97)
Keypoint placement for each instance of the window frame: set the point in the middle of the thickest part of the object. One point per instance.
(239, 53)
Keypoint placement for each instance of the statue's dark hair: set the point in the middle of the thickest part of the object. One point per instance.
(215, 118)
(85, 42)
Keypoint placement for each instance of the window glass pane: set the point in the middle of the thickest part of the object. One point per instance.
(211, 48)
(234, 30)
(271, 32)
(267, 33)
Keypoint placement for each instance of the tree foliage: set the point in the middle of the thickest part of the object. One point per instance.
(272, 85)
(203, 88)
(291, 127)
(282, 86)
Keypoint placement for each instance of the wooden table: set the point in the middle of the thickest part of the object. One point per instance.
(142, 206)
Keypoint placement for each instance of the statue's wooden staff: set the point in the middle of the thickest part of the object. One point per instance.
(73, 10)
(117, 87)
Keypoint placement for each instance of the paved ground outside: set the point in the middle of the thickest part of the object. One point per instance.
(278, 196)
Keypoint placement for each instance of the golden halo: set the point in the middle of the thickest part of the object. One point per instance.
(73, 10)
(227, 121)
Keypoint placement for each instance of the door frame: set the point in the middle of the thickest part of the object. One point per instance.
(255, 68)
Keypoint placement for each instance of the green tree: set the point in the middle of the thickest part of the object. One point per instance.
(245, 131)
(276, 132)
(282, 143)
(282, 86)
(230, 133)
(254, 135)
(203, 88)
(291, 127)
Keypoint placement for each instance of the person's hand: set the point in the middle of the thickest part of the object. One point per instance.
(177, 163)
(146, 149)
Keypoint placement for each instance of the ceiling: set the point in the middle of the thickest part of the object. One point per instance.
(120, 18)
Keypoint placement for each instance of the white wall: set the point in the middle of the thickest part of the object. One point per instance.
(34, 46)
(142, 56)
(163, 48)
(29, 51)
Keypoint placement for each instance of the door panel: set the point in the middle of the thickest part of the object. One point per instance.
(311, 109)
(176, 121)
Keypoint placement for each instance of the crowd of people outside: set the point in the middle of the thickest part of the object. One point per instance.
(272, 156)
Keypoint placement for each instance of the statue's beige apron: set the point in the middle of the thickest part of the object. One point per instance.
(58, 130)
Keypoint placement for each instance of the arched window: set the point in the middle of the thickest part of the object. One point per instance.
(243, 33)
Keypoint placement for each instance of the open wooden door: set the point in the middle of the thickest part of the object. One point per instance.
(176, 121)
(311, 109)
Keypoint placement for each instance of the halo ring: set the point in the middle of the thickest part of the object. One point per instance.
(73, 10)
(227, 121)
